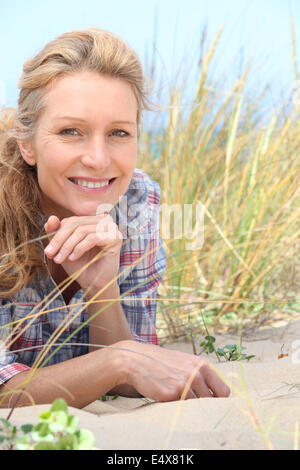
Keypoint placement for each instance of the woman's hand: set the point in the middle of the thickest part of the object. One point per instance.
(162, 374)
(82, 238)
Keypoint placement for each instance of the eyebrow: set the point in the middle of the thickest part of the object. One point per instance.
(74, 118)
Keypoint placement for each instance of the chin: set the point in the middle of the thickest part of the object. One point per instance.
(85, 212)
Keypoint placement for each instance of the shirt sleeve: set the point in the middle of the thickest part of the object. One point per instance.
(9, 365)
(140, 304)
(146, 253)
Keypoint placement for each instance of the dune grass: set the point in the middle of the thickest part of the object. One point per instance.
(239, 158)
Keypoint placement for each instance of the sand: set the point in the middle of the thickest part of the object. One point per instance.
(262, 412)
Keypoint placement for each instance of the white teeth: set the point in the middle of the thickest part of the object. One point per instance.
(89, 184)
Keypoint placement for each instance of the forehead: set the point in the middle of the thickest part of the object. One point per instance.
(90, 95)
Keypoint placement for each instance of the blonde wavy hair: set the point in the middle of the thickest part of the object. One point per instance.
(91, 49)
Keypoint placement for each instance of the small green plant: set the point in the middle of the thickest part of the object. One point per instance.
(8, 434)
(107, 397)
(56, 430)
(208, 344)
(233, 352)
(230, 352)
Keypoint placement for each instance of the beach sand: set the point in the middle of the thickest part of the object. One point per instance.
(262, 411)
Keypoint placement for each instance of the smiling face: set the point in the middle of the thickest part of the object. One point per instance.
(87, 131)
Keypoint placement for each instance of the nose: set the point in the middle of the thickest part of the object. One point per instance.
(96, 154)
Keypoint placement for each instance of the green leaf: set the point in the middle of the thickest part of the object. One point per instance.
(59, 405)
(59, 421)
(86, 439)
(37, 438)
(42, 429)
(23, 443)
(45, 416)
(229, 316)
(108, 397)
(26, 428)
(230, 347)
(44, 445)
(6, 423)
(67, 442)
(41, 432)
(250, 357)
(211, 339)
(72, 424)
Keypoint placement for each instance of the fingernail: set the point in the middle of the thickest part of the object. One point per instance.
(58, 257)
(48, 249)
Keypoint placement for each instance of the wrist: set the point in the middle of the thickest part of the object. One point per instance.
(110, 292)
(122, 365)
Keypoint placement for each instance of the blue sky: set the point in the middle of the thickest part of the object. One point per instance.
(257, 29)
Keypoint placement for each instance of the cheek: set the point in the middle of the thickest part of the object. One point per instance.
(54, 158)
(126, 160)
(132, 157)
(129, 167)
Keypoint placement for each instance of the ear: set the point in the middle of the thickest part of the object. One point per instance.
(27, 152)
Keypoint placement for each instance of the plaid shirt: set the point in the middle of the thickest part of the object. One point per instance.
(137, 216)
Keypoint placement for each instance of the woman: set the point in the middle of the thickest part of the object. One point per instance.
(68, 157)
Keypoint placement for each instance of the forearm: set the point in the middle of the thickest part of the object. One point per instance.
(79, 381)
(110, 325)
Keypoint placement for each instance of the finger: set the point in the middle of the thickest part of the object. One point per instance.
(201, 389)
(215, 383)
(53, 221)
(188, 394)
(196, 381)
(71, 242)
(193, 386)
(82, 240)
(91, 241)
(51, 226)
(106, 224)
(110, 242)
(69, 226)
(63, 235)
(104, 221)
